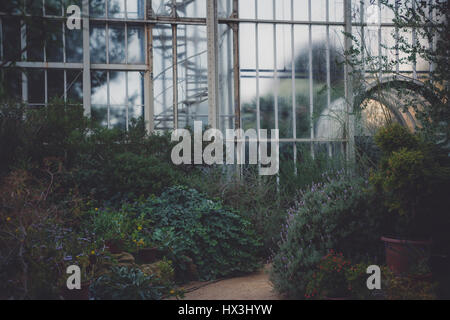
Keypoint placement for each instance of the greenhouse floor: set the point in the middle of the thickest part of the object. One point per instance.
(253, 287)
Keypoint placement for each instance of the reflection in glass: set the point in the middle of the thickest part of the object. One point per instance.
(36, 86)
(97, 8)
(135, 9)
(74, 45)
(116, 9)
(54, 42)
(136, 51)
(97, 40)
(74, 86)
(55, 84)
(116, 44)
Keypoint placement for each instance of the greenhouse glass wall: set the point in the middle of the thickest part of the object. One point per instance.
(262, 64)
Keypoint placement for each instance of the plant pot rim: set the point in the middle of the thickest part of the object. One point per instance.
(402, 241)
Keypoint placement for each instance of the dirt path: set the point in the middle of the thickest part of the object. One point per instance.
(253, 287)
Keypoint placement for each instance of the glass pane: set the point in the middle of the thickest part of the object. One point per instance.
(247, 9)
(116, 8)
(247, 52)
(192, 74)
(99, 88)
(12, 83)
(100, 115)
(226, 94)
(192, 9)
(33, 7)
(74, 86)
(11, 32)
(284, 83)
(302, 81)
(117, 88)
(54, 43)
(36, 86)
(97, 40)
(74, 45)
(283, 10)
(318, 10)
(35, 40)
(225, 8)
(163, 85)
(301, 10)
(265, 46)
(265, 9)
(248, 102)
(136, 51)
(135, 9)
(118, 117)
(55, 80)
(53, 7)
(135, 89)
(336, 10)
(97, 8)
(116, 44)
(161, 7)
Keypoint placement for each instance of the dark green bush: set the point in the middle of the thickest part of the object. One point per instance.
(190, 227)
(337, 214)
(124, 283)
(411, 181)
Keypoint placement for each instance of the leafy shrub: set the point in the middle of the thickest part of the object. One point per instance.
(395, 137)
(337, 214)
(330, 280)
(219, 242)
(409, 182)
(124, 283)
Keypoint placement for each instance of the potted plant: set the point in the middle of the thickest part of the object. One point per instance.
(405, 183)
(329, 281)
(111, 227)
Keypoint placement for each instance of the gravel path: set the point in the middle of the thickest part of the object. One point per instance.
(253, 287)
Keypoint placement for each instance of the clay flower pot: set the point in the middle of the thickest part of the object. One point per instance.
(401, 255)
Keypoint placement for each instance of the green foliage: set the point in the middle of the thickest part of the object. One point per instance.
(338, 214)
(409, 182)
(395, 137)
(329, 281)
(124, 283)
(189, 226)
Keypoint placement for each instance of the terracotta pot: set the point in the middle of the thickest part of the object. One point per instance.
(114, 246)
(401, 255)
(82, 294)
(149, 255)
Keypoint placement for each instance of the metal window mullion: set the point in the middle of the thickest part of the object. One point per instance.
(293, 88)
(126, 42)
(23, 46)
(46, 87)
(414, 42)
(175, 76)
(350, 121)
(311, 91)
(148, 75)
(127, 101)
(1, 39)
(275, 65)
(363, 38)
(380, 53)
(86, 60)
(108, 99)
(258, 103)
(397, 51)
(328, 66)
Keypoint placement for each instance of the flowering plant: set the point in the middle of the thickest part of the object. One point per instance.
(329, 281)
